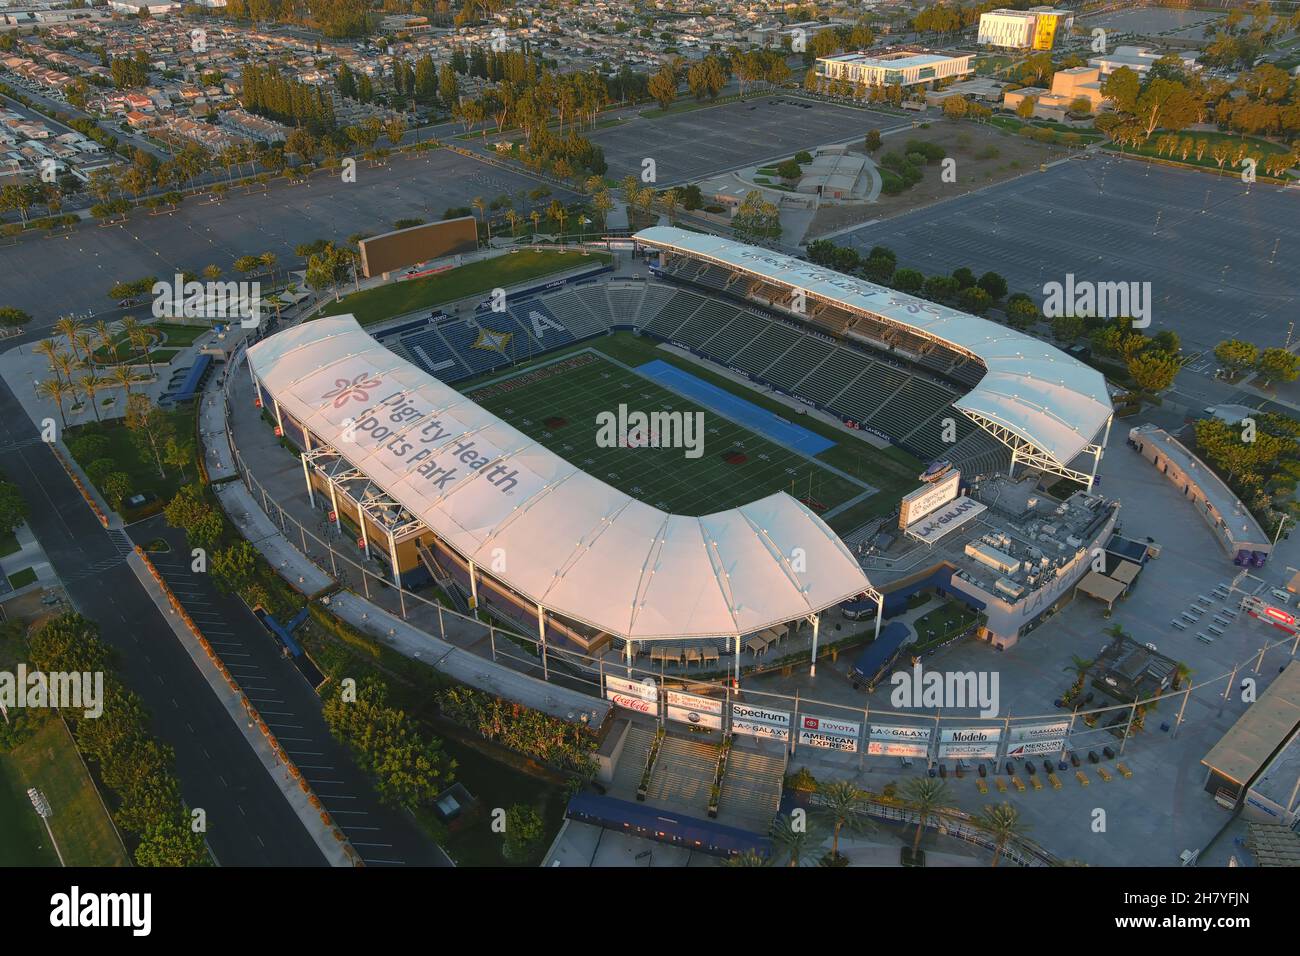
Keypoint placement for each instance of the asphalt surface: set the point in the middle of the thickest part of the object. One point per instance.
(249, 821)
(1220, 257)
(382, 835)
(73, 272)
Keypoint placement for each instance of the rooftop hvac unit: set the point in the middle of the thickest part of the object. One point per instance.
(1073, 542)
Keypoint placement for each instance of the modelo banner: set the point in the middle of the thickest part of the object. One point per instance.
(897, 732)
(780, 718)
(1039, 732)
(646, 690)
(960, 750)
(828, 741)
(705, 705)
(830, 725)
(694, 717)
(753, 728)
(889, 748)
(971, 735)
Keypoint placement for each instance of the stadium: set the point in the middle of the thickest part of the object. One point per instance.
(459, 450)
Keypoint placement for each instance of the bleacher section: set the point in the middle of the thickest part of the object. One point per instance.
(886, 379)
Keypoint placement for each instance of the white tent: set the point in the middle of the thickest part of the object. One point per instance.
(1033, 390)
(567, 541)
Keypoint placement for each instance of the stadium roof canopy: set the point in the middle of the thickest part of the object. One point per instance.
(568, 541)
(1032, 391)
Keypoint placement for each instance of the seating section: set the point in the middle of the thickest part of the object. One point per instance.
(674, 314)
(573, 313)
(539, 323)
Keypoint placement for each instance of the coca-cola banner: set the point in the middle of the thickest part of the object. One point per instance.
(633, 703)
(645, 689)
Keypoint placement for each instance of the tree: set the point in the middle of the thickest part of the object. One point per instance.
(994, 284)
(756, 217)
(793, 841)
(13, 507)
(974, 300)
(1002, 823)
(1153, 370)
(1278, 364)
(233, 568)
(11, 318)
(927, 796)
(57, 391)
(89, 386)
(663, 86)
(954, 107)
(872, 142)
(1080, 666)
(1021, 311)
(524, 831)
(150, 428)
(1236, 356)
(843, 806)
(116, 486)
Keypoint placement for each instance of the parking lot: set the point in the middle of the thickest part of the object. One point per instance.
(1150, 21)
(1215, 251)
(54, 276)
(702, 142)
(382, 835)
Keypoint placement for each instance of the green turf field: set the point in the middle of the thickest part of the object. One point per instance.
(558, 403)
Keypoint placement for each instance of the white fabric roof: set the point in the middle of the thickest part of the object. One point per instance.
(1036, 391)
(581, 548)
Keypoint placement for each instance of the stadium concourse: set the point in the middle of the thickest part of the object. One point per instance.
(440, 488)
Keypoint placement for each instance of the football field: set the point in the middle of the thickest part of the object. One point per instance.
(559, 403)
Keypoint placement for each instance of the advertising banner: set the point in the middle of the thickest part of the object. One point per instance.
(705, 705)
(927, 498)
(971, 735)
(1036, 747)
(961, 751)
(752, 728)
(828, 741)
(1039, 732)
(831, 725)
(694, 717)
(780, 718)
(633, 703)
(889, 748)
(898, 732)
(646, 690)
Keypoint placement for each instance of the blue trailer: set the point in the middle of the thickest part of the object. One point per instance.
(879, 656)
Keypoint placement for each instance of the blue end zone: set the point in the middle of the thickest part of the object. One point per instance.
(737, 409)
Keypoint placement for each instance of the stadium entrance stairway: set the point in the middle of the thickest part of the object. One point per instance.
(631, 763)
(683, 775)
(751, 788)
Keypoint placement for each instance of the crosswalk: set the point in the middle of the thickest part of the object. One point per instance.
(121, 541)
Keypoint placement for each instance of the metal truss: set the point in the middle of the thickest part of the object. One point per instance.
(1030, 454)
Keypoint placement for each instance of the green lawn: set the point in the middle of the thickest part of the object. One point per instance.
(398, 298)
(8, 544)
(125, 351)
(23, 841)
(20, 579)
(140, 466)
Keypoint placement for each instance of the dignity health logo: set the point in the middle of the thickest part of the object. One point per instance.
(64, 690)
(358, 389)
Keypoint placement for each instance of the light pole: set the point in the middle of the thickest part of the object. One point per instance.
(43, 810)
(1280, 525)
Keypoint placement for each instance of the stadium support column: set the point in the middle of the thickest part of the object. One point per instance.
(361, 523)
(541, 634)
(737, 661)
(334, 503)
(306, 474)
(473, 589)
(816, 623)
(392, 555)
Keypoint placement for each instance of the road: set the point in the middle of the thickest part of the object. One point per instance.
(250, 823)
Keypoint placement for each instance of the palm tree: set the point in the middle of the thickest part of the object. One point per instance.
(512, 217)
(69, 328)
(86, 342)
(89, 386)
(50, 349)
(794, 841)
(140, 340)
(57, 390)
(748, 858)
(926, 795)
(1002, 822)
(122, 377)
(106, 338)
(268, 261)
(64, 366)
(843, 805)
(1080, 666)
(481, 206)
(536, 217)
